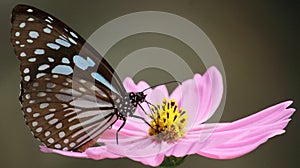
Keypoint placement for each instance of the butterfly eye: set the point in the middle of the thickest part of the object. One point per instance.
(131, 95)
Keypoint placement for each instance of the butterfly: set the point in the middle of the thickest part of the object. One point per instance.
(69, 93)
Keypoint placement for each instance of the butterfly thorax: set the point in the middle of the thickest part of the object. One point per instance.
(126, 105)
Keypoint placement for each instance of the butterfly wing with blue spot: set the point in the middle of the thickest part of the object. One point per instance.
(67, 88)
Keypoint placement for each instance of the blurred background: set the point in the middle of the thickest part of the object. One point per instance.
(257, 44)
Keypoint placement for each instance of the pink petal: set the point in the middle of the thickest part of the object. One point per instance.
(190, 101)
(133, 127)
(65, 153)
(112, 151)
(201, 96)
(158, 94)
(152, 160)
(134, 141)
(134, 147)
(99, 153)
(210, 89)
(130, 86)
(231, 140)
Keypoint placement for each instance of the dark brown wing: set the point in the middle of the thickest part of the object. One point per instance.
(67, 87)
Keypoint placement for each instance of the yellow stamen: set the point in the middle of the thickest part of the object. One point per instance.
(168, 122)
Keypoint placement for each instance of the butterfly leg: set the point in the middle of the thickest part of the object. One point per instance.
(152, 113)
(123, 124)
(141, 118)
(144, 110)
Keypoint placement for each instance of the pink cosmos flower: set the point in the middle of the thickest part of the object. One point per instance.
(193, 103)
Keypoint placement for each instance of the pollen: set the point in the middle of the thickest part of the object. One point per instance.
(168, 121)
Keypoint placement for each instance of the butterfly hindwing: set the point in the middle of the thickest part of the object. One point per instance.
(67, 87)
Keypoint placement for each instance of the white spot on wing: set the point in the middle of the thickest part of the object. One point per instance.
(22, 25)
(53, 121)
(39, 51)
(27, 96)
(32, 59)
(61, 134)
(29, 10)
(57, 146)
(39, 129)
(36, 114)
(43, 67)
(44, 105)
(17, 34)
(50, 59)
(47, 117)
(47, 133)
(47, 30)
(34, 123)
(40, 75)
(63, 37)
(50, 140)
(23, 54)
(82, 89)
(30, 19)
(73, 34)
(72, 144)
(63, 97)
(26, 70)
(27, 78)
(49, 26)
(29, 41)
(82, 81)
(49, 17)
(72, 41)
(58, 126)
(41, 94)
(29, 110)
(47, 20)
(35, 84)
(51, 85)
(63, 42)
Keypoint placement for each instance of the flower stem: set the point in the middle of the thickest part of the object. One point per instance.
(171, 162)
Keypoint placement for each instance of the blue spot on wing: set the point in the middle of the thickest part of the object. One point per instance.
(90, 62)
(82, 63)
(102, 80)
(65, 60)
(62, 69)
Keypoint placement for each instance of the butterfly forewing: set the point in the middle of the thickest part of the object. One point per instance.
(68, 89)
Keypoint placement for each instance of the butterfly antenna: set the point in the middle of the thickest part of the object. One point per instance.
(175, 81)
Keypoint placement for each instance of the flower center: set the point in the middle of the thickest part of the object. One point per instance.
(168, 122)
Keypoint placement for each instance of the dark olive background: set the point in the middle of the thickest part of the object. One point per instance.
(256, 41)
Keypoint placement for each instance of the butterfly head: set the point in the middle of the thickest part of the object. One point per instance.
(137, 98)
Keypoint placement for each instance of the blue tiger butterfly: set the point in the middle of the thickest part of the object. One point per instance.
(63, 110)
